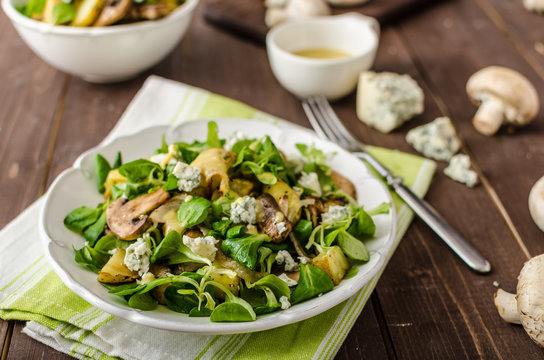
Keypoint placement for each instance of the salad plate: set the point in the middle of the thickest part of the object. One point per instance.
(76, 186)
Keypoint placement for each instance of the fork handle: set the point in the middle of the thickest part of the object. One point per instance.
(465, 250)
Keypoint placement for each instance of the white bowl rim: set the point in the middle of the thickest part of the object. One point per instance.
(20, 20)
(262, 323)
(273, 33)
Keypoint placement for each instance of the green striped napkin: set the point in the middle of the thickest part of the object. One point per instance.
(30, 290)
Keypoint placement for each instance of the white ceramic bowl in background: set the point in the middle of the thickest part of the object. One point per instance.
(103, 54)
(351, 33)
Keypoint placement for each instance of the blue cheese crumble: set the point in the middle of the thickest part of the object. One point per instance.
(437, 139)
(310, 181)
(284, 258)
(285, 304)
(137, 256)
(234, 138)
(336, 213)
(203, 246)
(286, 279)
(386, 100)
(244, 210)
(281, 227)
(189, 176)
(459, 170)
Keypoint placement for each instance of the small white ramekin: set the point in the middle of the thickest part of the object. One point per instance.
(352, 33)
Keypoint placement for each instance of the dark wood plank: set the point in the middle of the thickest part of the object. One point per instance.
(24, 347)
(29, 96)
(3, 334)
(365, 340)
(246, 18)
(523, 28)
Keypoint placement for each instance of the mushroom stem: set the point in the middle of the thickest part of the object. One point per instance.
(488, 118)
(507, 306)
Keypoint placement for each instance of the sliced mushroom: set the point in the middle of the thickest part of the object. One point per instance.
(316, 209)
(128, 219)
(154, 11)
(343, 184)
(298, 246)
(114, 10)
(271, 217)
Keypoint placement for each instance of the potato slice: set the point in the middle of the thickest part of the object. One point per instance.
(115, 271)
(48, 10)
(87, 12)
(284, 194)
(229, 279)
(333, 262)
(114, 177)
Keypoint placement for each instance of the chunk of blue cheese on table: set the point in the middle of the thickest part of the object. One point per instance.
(386, 100)
(436, 140)
(459, 170)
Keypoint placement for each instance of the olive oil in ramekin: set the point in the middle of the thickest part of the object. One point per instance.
(322, 53)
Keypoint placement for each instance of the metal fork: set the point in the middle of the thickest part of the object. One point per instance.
(328, 126)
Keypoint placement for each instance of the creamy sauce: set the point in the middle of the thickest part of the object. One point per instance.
(322, 53)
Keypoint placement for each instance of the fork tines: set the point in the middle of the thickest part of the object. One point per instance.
(327, 124)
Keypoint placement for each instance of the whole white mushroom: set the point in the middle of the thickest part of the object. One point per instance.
(534, 5)
(536, 203)
(278, 11)
(527, 306)
(504, 96)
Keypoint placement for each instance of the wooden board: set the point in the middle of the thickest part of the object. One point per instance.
(246, 17)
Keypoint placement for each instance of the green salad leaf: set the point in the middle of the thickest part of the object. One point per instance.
(171, 250)
(262, 159)
(213, 138)
(90, 258)
(63, 13)
(245, 249)
(313, 281)
(140, 170)
(143, 302)
(91, 222)
(33, 7)
(102, 168)
(193, 212)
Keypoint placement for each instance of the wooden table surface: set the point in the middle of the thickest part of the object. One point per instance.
(428, 304)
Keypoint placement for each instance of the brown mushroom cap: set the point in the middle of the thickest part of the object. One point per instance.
(269, 218)
(344, 184)
(114, 10)
(128, 219)
(504, 95)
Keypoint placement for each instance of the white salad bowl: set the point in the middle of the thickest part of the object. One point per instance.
(76, 187)
(102, 54)
(351, 33)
